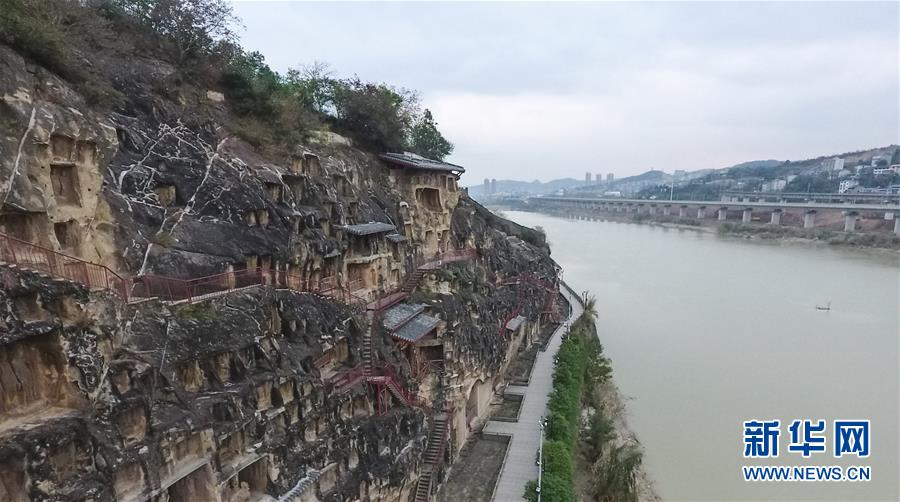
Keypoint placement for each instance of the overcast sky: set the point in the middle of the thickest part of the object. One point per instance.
(543, 91)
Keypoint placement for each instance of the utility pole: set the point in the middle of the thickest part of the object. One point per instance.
(540, 460)
(672, 191)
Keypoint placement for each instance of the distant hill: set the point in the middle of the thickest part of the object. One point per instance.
(731, 176)
(515, 187)
(756, 164)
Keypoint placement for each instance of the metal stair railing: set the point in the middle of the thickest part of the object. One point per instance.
(37, 258)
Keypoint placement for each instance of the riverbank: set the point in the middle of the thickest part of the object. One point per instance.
(691, 320)
(610, 400)
(590, 453)
(887, 241)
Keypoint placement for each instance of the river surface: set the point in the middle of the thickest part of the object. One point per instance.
(705, 332)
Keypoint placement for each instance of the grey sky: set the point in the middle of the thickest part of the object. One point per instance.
(542, 91)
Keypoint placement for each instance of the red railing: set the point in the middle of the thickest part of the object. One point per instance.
(428, 367)
(31, 256)
(174, 289)
(345, 380)
(512, 315)
(385, 375)
(324, 359)
(327, 284)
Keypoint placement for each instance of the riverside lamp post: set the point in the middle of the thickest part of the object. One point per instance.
(540, 460)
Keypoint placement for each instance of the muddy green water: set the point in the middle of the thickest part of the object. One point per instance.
(707, 331)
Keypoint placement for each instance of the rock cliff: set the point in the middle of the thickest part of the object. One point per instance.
(240, 343)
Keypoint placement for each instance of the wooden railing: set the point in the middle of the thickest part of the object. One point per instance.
(38, 258)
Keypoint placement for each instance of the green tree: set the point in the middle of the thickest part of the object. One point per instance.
(192, 27)
(250, 84)
(426, 140)
(313, 86)
(377, 115)
(617, 477)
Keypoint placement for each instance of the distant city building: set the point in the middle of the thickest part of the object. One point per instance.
(610, 177)
(598, 178)
(886, 170)
(843, 173)
(833, 165)
(679, 173)
(587, 178)
(791, 177)
(847, 185)
(881, 160)
(487, 185)
(774, 185)
(494, 185)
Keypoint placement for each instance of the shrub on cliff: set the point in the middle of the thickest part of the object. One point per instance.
(376, 115)
(44, 31)
(187, 28)
(426, 140)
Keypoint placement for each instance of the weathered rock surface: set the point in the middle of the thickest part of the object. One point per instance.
(242, 395)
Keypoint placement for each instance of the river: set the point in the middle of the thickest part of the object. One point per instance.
(705, 332)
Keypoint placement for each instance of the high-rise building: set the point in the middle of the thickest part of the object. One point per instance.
(494, 185)
(610, 177)
(587, 178)
(487, 185)
(598, 178)
(832, 166)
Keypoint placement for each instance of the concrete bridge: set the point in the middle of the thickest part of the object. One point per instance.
(841, 198)
(805, 212)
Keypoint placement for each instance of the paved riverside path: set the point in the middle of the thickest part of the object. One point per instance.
(520, 466)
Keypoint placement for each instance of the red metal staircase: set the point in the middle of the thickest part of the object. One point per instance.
(434, 455)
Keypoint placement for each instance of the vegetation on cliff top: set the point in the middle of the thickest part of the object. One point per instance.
(581, 369)
(197, 37)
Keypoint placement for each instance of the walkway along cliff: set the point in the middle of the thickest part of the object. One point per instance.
(184, 318)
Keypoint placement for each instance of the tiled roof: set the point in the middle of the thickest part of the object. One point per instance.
(414, 330)
(373, 227)
(515, 322)
(394, 317)
(414, 161)
(407, 322)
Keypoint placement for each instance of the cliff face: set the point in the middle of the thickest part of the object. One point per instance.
(277, 374)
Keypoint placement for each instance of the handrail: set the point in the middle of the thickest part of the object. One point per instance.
(32, 256)
(348, 378)
(439, 459)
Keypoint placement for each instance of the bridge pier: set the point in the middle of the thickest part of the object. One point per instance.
(651, 209)
(723, 213)
(748, 215)
(667, 210)
(776, 217)
(809, 219)
(850, 220)
(682, 212)
(897, 224)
